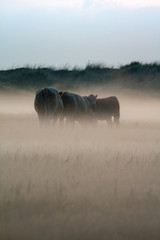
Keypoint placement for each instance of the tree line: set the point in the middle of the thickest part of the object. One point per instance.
(134, 75)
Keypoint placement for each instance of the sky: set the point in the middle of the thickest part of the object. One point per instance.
(59, 33)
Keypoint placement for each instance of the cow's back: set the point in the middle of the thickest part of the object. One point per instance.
(47, 101)
(69, 103)
(75, 106)
(82, 104)
(107, 106)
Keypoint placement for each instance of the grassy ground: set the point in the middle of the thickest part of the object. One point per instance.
(81, 183)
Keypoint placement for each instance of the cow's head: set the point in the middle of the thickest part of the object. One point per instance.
(92, 101)
(60, 93)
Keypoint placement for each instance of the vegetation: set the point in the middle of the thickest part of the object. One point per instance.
(134, 75)
(79, 184)
(82, 182)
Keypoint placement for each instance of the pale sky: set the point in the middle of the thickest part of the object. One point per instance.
(75, 32)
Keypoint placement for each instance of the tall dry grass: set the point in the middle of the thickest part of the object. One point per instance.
(81, 182)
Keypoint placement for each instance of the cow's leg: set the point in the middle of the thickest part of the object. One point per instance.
(43, 122)
(116, 120)
(92, 119)
(61, 120)
(54, 122)
(84, 121)
(93, 122)
(109, 120)
(70, 122)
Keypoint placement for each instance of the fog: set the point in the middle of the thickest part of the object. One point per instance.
(80, 182)
(134, 105)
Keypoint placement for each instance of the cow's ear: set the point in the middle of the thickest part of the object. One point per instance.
(38, 91)
(60, 93)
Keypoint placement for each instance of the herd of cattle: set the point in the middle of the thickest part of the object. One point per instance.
(52, 105)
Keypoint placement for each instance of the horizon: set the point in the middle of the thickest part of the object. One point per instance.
(80, 68)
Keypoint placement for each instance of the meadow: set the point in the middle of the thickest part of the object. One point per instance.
(82, 182)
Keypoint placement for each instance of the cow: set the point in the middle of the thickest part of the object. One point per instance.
(48, 105)
(108, 109)
(78, 108)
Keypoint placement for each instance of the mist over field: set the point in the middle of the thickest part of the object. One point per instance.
(135, 105)
(84, 182)
(88, 181)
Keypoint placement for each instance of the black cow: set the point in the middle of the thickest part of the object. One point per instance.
(108, 109)
(78, 108)
(48, 105)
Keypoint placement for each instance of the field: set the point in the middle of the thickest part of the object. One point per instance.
(82, 182)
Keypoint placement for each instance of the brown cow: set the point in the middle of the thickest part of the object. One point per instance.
(108, 109)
